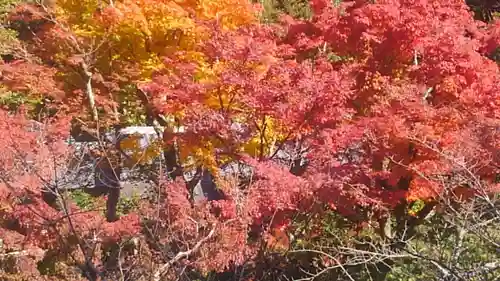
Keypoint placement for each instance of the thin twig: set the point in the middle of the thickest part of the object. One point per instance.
(182, 255)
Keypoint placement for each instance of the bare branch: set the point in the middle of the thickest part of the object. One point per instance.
(182, 255)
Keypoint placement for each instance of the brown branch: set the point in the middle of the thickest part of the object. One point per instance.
(33, 252)
(182, 255)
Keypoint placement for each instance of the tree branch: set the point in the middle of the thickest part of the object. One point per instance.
(181, 255)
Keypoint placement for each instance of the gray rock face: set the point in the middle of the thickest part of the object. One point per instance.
(236, 168)
(85, 173)
(206, 189)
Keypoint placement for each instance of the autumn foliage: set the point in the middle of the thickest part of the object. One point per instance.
(364, 110)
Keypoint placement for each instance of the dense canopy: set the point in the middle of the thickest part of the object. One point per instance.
(320, 141)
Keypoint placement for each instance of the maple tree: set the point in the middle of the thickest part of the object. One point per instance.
(99, 52)
(81, 53)
(379, 113)
(394, 85)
